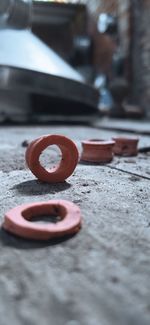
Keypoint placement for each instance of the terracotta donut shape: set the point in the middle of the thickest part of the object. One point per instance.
(126, 146)
(17, 220)
(97, 150)
(67, 164)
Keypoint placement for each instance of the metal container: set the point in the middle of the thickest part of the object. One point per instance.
(29, 66)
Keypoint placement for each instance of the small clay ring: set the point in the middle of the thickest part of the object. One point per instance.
(125, 146)
(66, 166)
(17, 220)
(97, 151)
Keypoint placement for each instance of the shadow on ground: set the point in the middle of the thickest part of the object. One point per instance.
(35, 187)
(7, 239)
(91, 163)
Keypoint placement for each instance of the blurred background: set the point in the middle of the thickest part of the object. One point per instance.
(75, 61)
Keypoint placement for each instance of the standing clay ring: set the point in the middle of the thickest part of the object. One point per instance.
(17, 220)
(125, 146)
(97, 151)
(66, 166)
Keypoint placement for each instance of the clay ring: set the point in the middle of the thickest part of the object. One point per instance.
(97, 151)
(125, 146)
(66, 166)
(17, 220)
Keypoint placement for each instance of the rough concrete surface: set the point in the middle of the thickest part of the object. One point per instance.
(133, 126)
(101, 276)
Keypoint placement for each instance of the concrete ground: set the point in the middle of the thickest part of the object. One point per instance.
(101, 276)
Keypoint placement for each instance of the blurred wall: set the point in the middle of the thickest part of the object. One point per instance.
(140, 48)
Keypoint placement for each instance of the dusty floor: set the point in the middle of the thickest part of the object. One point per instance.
(101, 276)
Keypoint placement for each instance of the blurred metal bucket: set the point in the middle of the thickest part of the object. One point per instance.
(29, 66)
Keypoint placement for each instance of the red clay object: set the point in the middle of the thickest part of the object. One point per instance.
(98, 151)
(125, 146)
(66, 166)
(17, 220)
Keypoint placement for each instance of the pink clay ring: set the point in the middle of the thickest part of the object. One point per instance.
(66, 166)
(17, 220)
(98, 151)
(125, 146)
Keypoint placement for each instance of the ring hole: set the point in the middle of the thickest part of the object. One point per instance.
(50, 157)
(125, 147)
(45, 214)
(46, 219)
(96, 140)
